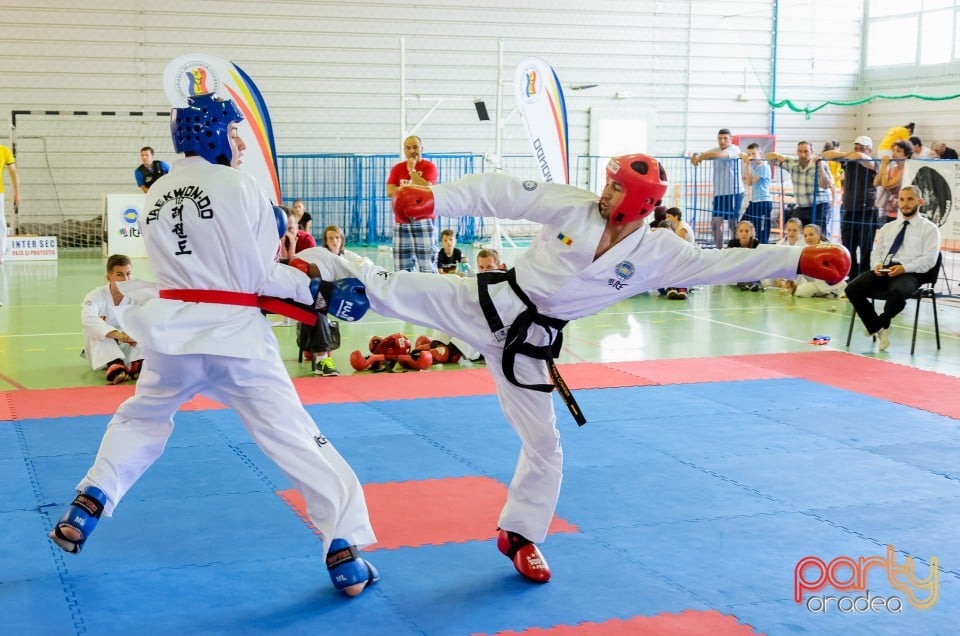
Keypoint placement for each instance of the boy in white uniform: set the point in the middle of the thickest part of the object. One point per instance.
(211, 236)
(589, 254)
(106, 346)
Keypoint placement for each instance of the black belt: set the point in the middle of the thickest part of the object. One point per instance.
(515, 338)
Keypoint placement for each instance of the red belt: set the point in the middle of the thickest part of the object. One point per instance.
(268, 304)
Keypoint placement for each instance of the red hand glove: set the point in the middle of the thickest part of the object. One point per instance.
(825, 261)
(299, 263)
(310, 269)
(414, 203)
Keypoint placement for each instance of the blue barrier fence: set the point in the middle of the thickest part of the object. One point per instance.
(350, 191)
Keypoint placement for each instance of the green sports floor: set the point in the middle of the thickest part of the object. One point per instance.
(40, 337)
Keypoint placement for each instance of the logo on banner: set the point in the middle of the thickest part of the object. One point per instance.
(195, 77)
(531, 85)
(129, 229)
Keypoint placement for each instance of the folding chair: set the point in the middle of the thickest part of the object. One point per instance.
(928, 283)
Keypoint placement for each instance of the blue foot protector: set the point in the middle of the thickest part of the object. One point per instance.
(349, 572)
(82, 516)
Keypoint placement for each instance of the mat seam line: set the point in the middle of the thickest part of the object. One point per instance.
(70, 593)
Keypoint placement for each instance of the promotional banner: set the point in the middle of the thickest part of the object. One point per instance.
(540, 98)
(939, 181)
(31, 248)
(121, 224)
(199, 73)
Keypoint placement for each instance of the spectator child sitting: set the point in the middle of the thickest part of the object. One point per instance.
(684, 231)
(325, 335)
(335, 241)
(746, 238)
(448, 258)
(807, 287)
(106, 345)
(792, 233)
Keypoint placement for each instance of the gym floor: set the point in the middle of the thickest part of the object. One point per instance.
(721, 447)
(40, 337)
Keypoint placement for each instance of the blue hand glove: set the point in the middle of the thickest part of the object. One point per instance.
(345, 299)
(349, 300)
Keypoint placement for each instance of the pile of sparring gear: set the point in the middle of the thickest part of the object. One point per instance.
(395, 353)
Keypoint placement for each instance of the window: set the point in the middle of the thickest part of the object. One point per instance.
(912, 32)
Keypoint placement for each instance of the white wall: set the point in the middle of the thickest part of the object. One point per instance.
(330, 73)
(934, 119)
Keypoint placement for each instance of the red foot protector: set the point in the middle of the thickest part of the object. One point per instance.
(526, 556)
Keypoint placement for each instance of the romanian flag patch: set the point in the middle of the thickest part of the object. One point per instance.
(566, 240)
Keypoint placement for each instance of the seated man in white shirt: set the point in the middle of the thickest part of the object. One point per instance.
(905, 250)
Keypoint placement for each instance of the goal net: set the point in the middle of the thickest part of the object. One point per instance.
(68, 161)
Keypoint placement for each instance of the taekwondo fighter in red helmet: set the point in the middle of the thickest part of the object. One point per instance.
(588, 254)
(211, 235)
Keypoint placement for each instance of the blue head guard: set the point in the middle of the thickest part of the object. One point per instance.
(201, 127)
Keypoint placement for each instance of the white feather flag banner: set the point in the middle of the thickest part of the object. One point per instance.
(540, 98)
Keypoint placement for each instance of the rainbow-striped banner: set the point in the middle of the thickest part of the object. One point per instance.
(540, 98)
(199, 73)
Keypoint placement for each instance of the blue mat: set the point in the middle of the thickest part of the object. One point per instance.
(694, 497)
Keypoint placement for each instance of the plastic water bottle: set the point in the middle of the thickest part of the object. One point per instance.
(463, 267)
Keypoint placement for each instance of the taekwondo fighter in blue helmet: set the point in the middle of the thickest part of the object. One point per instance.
(211, 237)
(590, 253)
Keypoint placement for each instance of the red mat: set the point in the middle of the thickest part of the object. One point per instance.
(87, 400)
(925, 390)
(688, 623)
(453, 510)
(686, 371)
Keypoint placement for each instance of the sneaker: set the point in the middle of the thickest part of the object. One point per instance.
(681, 294)
(672, 294)
(883, 337)
(328, 368)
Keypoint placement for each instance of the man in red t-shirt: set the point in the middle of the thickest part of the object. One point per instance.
(414, 242)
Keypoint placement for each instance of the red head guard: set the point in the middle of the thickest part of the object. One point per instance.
(644, 183)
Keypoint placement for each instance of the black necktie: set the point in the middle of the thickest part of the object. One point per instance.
(897, 241)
